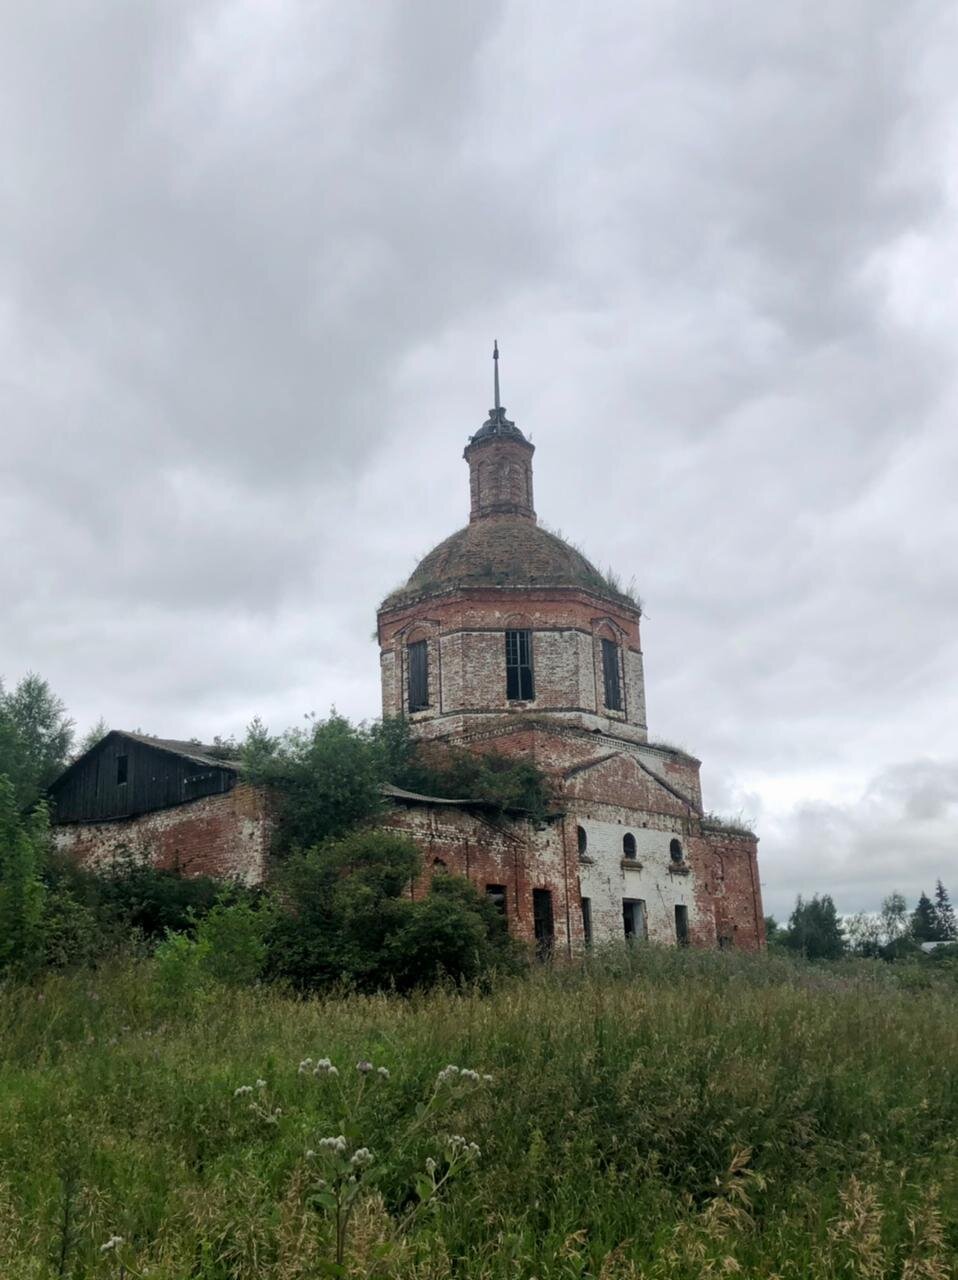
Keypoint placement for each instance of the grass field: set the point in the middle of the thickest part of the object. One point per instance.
(654, 1114)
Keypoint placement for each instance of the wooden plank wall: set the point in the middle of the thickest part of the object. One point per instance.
(155, 780)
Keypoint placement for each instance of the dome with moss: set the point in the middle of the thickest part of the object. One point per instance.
(504, 551)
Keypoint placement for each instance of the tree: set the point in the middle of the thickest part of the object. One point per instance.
(865, 932)
(945, 914)
(23, 849)
(815, 930)
(35, 737)
(343, 915)
(328, 777)
(96, 733)
(894, 917)
(924, 921)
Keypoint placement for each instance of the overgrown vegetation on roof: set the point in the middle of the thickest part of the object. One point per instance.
(738, 825)
(328, 775)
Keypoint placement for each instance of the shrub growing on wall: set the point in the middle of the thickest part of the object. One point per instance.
(344, 917)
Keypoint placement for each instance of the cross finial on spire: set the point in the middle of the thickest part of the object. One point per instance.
(495, 365)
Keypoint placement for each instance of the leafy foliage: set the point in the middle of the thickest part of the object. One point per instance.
(35, 737)
(510, 784)
(345, 918)
(814, 928)
(328, 776)
(23, 849)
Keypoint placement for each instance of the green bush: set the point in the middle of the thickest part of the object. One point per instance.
(233, 940)
(345, 918)
(510, 784)
(24, 843)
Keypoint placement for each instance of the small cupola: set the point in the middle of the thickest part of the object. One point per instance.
(500, 464)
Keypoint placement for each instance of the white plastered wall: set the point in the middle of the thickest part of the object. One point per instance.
(606, 882)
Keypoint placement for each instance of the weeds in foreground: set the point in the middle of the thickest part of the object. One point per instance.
(663, 1117)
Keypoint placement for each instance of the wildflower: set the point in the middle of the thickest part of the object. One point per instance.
(474, 1151)
(334, 1144)
(111, 1244)
(324, 1068)
(242, 1091)
(456, 1143)
(487, 1079)
(430, 1165)
(364, 1067)
(261, 1084)
(310, 1155)
(383, 1072)
(467, 1074)
(447, 1073)
(305, 1065)
(361, 1157)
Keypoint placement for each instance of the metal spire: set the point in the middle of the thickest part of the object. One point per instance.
(495, 365)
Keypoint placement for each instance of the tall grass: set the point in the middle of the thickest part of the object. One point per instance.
(652, 1114)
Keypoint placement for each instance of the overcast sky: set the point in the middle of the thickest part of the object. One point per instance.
(252, 260)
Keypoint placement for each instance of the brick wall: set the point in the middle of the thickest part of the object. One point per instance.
(224, 835)
(465, 633)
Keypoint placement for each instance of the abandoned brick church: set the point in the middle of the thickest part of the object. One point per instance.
(506, 638)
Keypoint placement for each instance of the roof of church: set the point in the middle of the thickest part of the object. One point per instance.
(503, 551)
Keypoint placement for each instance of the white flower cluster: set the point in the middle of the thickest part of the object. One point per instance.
(459, 1146)
(242, 1091)
(334, 1144)
(111, 1244)
(452, 1073)
(361, 1158)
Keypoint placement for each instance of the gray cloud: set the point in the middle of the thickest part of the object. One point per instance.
(251, 262)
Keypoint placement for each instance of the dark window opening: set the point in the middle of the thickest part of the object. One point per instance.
(725, 942)
(418, 676)
(582, 839)
(438, 864)
(682, 926)
(543, 922)
(496, 893)
(628, 844)
(675, 851)
(633, 918)
(122, 770)
(520, 686)
(611, 675)
(587, 921)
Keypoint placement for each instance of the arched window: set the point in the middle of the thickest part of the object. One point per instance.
(611, 675)
(675, 851)
(583, 840)
(418, 659)
(438, 865)
(628, 844)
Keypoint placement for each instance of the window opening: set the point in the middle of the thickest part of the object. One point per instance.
(438, 864)
(543, 922)
(582, 839)
(611, 675)
(496, 893)
(587, 921)
(675, 851)
(725, 942)
(520, 686)
(628, 844)
(633, 918)
(682, 926)
(122, 769)
(418, 676)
